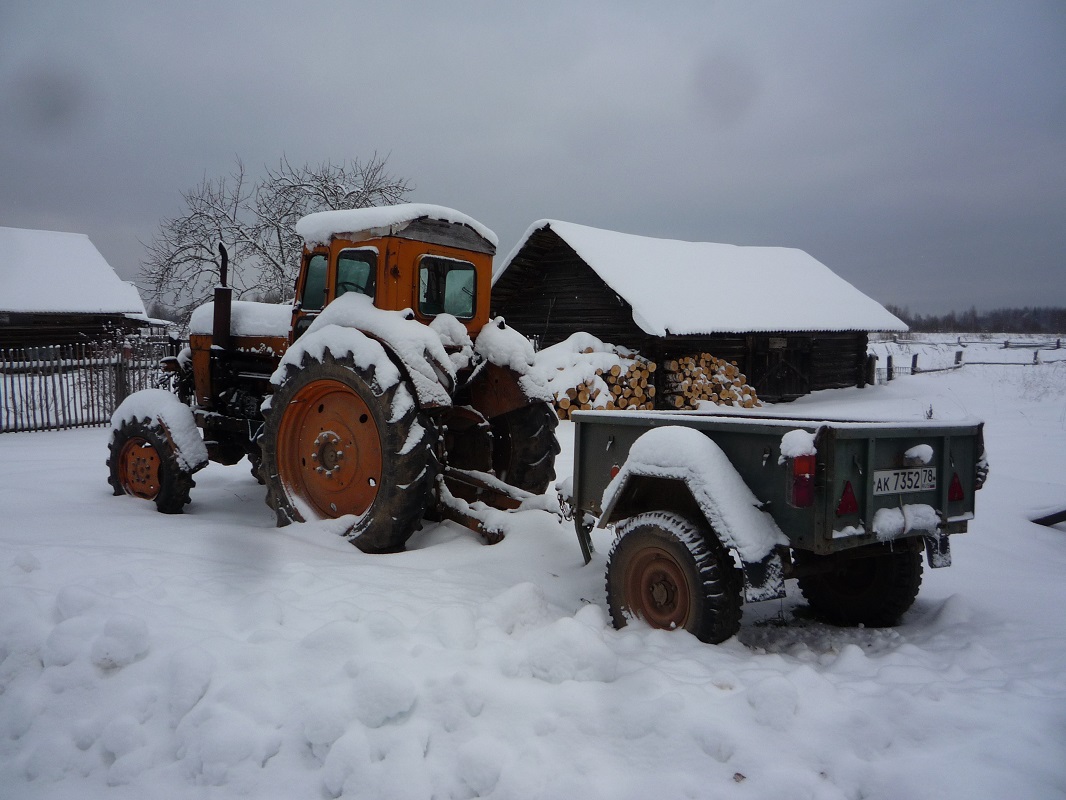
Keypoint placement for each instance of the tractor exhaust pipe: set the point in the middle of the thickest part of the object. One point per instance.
(220, 334)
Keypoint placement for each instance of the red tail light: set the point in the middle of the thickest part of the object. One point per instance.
(955, 492)
(848, 504)
(802, 495)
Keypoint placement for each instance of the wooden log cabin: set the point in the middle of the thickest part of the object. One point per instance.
(790, 324)
(56, 288)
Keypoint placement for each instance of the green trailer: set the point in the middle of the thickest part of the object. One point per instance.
(714, 509)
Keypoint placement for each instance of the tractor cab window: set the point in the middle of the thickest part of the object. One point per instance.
(446, 286)
(314, 293)
(356, 271)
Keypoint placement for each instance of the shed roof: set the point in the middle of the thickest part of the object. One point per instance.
(683, 288)
(54, 272)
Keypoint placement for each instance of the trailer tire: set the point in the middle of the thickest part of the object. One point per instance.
(524, 447)
(144, 463)
(673, 573)
(335, 443)
(874, 591)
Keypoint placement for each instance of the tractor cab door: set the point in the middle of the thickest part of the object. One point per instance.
(327, 274)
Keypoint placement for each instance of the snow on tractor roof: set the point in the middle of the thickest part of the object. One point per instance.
(319, 227)
(53, 272)
(677, 287)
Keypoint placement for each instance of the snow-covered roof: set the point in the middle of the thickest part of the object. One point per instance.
(56, 272)
(680, 288)
(317, 228)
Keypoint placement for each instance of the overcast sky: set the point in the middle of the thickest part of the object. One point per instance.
(916, 148)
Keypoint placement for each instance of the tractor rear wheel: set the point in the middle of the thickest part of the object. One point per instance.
(337, 443)
(144, 463)
(524, 447)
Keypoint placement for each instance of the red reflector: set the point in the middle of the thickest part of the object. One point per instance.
(614, 471)
(848, 504)
(955, 492)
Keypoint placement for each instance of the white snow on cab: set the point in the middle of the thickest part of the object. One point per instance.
(368, 223)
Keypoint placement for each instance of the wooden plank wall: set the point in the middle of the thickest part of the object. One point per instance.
(548, 293)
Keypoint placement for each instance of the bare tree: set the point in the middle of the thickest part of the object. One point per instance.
(256, 220)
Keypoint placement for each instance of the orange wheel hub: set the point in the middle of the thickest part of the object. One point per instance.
(139, 468)
(329, 451)
(657, 590)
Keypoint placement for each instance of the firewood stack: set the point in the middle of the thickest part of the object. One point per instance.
(692, 379)
(627, 384)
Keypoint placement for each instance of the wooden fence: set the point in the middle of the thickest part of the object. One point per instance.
(893, 370)
(78, 385)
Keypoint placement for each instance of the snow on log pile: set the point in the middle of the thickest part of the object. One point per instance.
(624, 385)
(689, 381)
(583, 373)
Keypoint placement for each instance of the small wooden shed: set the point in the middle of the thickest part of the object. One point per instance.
(791, 324)
(56, 288)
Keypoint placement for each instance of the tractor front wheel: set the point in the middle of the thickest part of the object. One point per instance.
(144, 463)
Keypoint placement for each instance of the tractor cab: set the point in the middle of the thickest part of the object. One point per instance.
(428, 259)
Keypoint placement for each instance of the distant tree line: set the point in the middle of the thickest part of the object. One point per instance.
(1046, 320)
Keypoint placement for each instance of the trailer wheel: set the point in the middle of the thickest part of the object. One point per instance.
(144, 463)
(335, 443)
(524, 447)
(874, 590)
(673, 573)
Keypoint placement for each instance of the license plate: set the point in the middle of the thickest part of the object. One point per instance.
(898, 481)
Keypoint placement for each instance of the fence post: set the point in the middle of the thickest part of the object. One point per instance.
(958, 358)
(914, 364)
(888, 374)
(122, 360)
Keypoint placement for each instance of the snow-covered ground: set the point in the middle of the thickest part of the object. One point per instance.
(211, 655)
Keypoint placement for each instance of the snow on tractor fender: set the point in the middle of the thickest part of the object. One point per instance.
(688, 459)
(154, 449)
(417, 348)
(502, 345)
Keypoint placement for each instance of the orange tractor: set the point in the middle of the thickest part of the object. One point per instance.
(384, 394)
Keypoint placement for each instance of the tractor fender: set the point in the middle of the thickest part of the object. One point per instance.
(414, 349)
(679, 469)
(505, 379)
(173, 417)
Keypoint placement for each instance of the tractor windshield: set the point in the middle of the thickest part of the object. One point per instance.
(356, 271)
(446, 286)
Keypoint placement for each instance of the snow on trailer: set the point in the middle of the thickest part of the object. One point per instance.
(709, 508)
